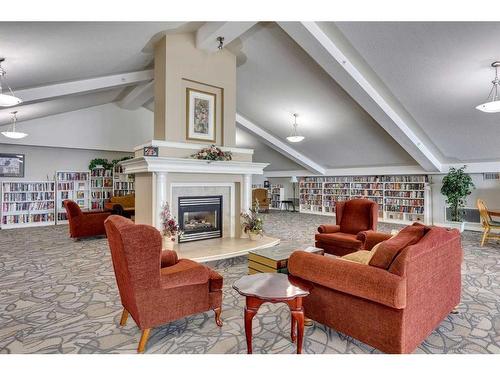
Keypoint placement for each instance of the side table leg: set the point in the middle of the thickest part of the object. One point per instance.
(298, 316)
(249, 314)
(293, 325)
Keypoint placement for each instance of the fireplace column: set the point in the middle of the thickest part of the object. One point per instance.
(161, 196)
(246, 192)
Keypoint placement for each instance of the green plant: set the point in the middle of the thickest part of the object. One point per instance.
(116, 161)
(457, 185)
(98, 161)
(251, 222)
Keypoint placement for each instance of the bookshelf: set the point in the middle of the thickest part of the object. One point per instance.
(401, 199)
(275, 193)
(101, 187)
(74, 185)
(123, 183)
(27, 204)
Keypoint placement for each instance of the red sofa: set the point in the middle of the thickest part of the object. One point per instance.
(412, 282)
(155, 286)
(84, 224)
(352, 217)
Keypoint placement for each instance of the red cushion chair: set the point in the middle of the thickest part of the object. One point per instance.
(352, 217)
(84, 224)
(155, 286)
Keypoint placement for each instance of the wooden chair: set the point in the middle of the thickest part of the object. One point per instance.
(261, 196)
(487, 223)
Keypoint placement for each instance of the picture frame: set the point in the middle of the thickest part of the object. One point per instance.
(12, 165)
(201, 109)
(150, 151)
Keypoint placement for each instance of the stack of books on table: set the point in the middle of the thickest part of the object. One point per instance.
(274, 259)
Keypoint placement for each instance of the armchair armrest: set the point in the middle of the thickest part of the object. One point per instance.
(184, 272)
(357, 279)
(328, 228)
(370, 238)
(494, 213)
(168, 258)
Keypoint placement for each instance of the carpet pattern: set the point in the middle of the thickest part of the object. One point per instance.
(60, 296)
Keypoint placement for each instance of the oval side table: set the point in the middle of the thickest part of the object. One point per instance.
(274, 288)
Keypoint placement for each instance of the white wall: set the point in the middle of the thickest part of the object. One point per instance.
(103, 127)
(42, 162)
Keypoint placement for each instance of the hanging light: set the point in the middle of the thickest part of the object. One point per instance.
(295, 137)
(492, 104)
(14, 134)
(9, 99)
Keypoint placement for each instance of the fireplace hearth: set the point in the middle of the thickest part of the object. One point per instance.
(200, 217)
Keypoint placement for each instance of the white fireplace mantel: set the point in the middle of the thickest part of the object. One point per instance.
(184, 165)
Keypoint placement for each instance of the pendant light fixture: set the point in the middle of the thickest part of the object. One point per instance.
(13, 133)
(7, 97)
(492, 104)
(295, 136)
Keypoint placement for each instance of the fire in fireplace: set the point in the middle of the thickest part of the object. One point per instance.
(200, 218)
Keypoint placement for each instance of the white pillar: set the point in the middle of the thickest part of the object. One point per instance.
(161, 196)
(246, 192)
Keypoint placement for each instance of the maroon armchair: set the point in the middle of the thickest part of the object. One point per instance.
(352, 217)
(84, 224)
(155, 286)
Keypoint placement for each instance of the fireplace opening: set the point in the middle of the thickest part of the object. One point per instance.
(200, 218)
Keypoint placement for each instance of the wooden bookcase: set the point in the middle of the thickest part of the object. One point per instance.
(123, 183)
(401, 199)
(27, 204)
(101, 187)
(74, 185)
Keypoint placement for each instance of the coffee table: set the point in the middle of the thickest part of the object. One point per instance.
(274, 288)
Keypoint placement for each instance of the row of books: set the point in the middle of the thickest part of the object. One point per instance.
(405, 178)
(119, 185)
(367, 186)
(28, 206)
(27, 218)
(311, 191)
(404, 186)
(405, 209)
(71, 186)
(21, 186)
(367, 192)
(101, 194)
(336, 192)
(404, 194)
(102, 183)
(38, 196)
(101, 172)
(336, 185)
(80, 176)
(404, 201)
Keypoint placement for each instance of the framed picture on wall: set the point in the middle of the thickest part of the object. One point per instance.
(11, 165)
(200, 115)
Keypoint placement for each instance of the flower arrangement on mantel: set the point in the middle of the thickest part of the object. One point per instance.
(213, 153)
(252, 223)
(170, 227)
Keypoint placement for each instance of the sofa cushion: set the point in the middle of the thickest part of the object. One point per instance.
(345, 240)
(362, 256)
(389, 249)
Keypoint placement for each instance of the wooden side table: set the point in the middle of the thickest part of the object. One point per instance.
(274, 288)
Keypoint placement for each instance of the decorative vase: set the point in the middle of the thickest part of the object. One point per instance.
(254, 236)
(168, 243)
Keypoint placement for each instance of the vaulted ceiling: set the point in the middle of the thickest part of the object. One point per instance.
(436, 73)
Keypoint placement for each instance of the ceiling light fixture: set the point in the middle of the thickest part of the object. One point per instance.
(492, 104)
(220, 39)
(6, 100)
(295, 136)
(14, 134)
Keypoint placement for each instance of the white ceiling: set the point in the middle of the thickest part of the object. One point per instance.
(439, 71)
(276, 78)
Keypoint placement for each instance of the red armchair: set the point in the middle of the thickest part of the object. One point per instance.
(352, 217)
(413, 281)
(155, 286)
(84, 224)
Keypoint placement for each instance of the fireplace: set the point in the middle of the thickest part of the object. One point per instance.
(200, 218)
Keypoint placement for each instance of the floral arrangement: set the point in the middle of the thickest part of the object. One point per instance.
(213, 153)
(170, 227)
(251, 222)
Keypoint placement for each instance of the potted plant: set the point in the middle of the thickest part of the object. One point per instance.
(251, 222)
(457, 185)
(170, 228)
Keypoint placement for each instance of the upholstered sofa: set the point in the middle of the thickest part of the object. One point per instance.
(84, 224)
(352, 217)
(121, 205)
(156, 287)
(395, 300)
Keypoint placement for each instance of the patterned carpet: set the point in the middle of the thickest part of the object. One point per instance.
(59, 296)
